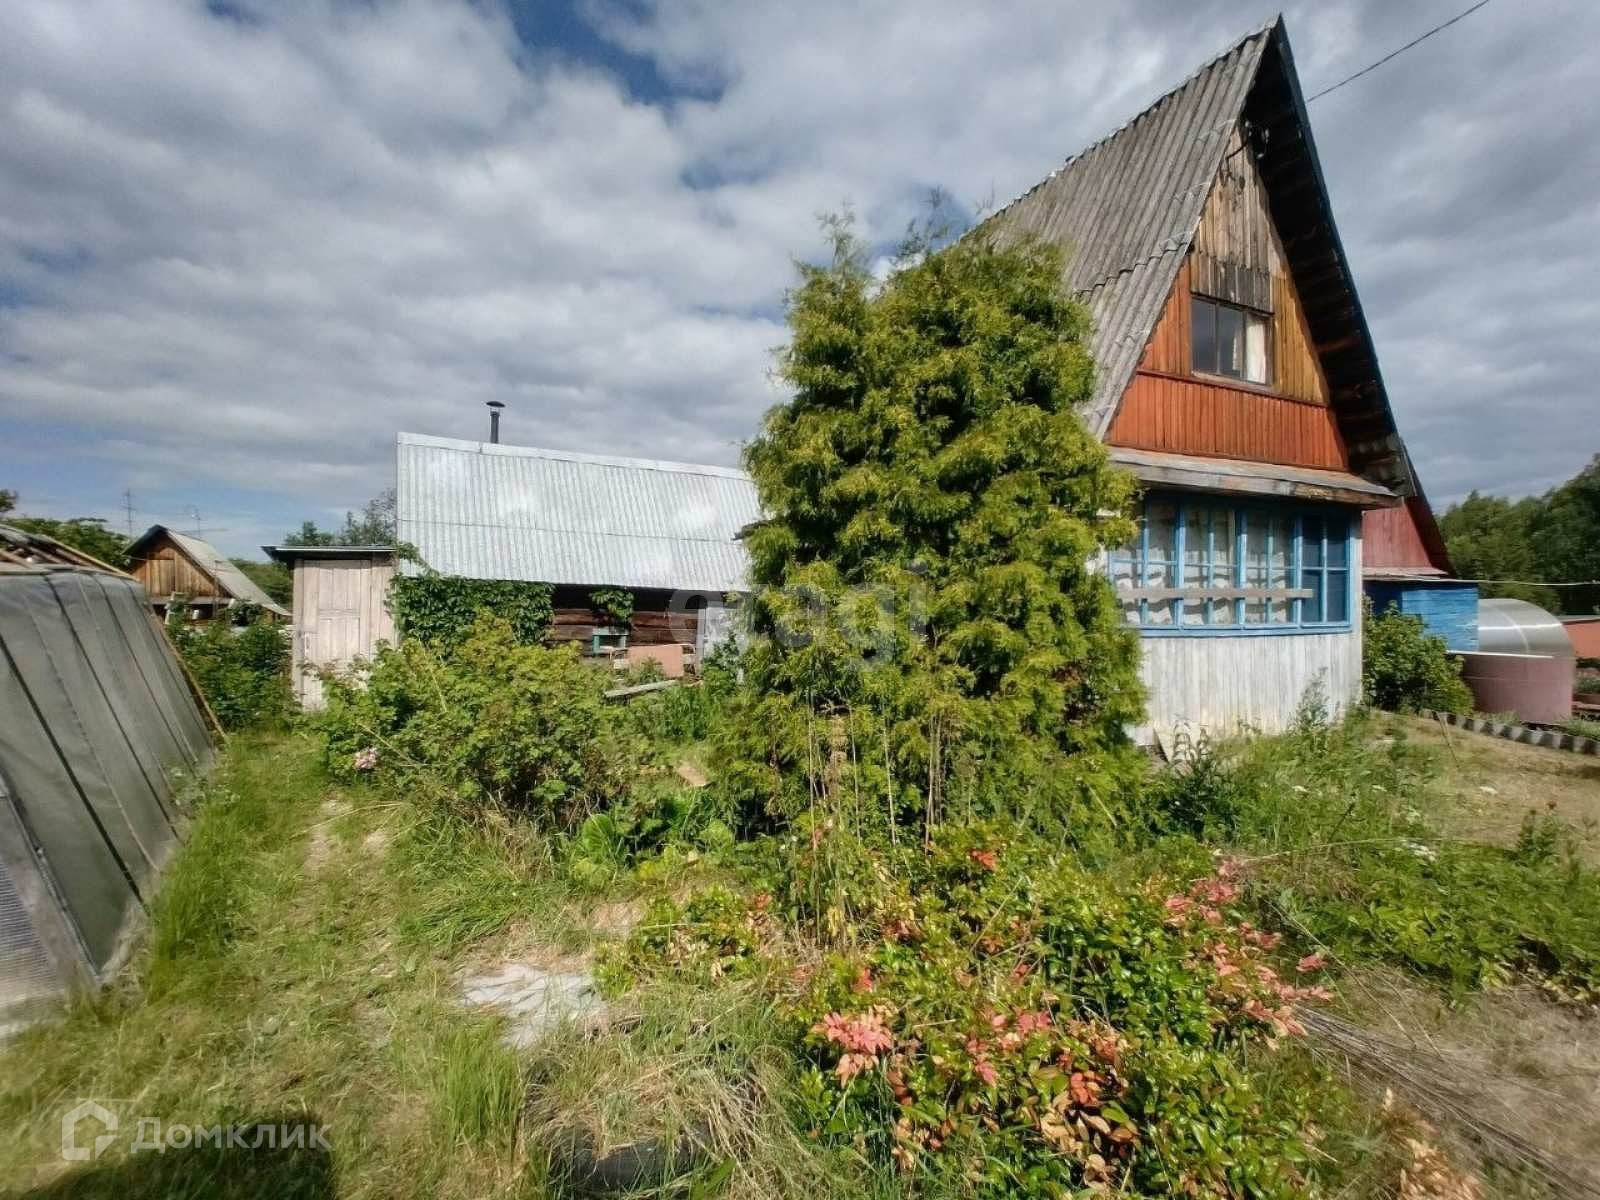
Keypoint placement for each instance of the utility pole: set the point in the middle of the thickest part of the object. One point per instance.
(127, 503)
(199, 530)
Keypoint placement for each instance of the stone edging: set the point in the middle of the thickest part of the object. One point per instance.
(1552, 739)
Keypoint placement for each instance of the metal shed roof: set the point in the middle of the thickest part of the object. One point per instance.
(492, 511)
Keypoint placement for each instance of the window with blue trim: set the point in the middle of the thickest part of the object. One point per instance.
(1203, 565)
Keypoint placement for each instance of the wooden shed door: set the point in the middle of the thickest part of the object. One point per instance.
(339, 617)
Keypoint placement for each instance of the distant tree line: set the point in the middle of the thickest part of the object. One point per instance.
(1553, 538)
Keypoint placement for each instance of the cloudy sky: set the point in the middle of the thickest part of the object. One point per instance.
(242, 243)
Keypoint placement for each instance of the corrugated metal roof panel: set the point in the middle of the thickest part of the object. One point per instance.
(492, 511)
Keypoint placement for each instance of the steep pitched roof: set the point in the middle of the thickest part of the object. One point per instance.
(1126, 210)
(492, 511)
(214, 563)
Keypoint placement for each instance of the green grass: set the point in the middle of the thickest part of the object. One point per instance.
(303, 960)
(302, 964)
(1582, 727)
(296, 968)
(478, 1091)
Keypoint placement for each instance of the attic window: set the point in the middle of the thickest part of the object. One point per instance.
(1228, 340)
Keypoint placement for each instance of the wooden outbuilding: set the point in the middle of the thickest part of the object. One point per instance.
(341, 610)
(177, 567)
(663, 536)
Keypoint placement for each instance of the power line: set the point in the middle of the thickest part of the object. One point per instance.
(1391, 56)
(1542, 583)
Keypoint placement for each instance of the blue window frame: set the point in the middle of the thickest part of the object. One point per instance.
(1207, 566)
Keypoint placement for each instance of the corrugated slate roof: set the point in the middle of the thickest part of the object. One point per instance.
(492, 511)
(1126, 209)
(214, 563)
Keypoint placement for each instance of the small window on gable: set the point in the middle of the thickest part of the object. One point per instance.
(1228, 340)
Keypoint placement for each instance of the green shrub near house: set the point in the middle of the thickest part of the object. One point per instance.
(243, 672)
(1404, 669)
(486, 724)
(444, 609)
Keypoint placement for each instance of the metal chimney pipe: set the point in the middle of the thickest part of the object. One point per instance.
(494, 407)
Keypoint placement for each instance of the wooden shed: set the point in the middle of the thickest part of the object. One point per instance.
(340, 609)
(175, 566)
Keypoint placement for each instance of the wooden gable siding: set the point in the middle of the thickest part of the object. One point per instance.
(1394, 539)
(163, 569)
(1235, 257)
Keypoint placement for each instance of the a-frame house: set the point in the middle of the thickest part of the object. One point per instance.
(1237, 379)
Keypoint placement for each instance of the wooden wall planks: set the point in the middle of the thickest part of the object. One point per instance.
(340, 614)
(1236, 256)
(1227, 685)
(165, 570)
(1190, 416)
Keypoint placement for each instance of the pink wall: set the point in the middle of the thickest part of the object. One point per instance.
(1536, 688)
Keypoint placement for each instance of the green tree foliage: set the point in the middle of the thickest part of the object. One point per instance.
(487, 722)
(273, 578)
(8, 500)
(309, 534)
(1567, 538)
(1489, 538)
(1403, 669)
(242, 671)
(372, 526)
(614, 604)
(88, 534)
(442, 609)
(928, 631)
(1554, 538)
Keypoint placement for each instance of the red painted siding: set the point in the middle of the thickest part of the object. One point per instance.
(1585, 637)
(1392, 539)
(1187, 416)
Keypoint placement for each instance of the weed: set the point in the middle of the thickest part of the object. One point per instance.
(243, 672)
(1582, 727)
(478, 1089)
(694, 1093)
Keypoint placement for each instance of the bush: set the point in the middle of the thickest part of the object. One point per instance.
(443, 609)
(1403, 669)
(926, 626)
(242, 672)
(490, 722)
(1199, 794)
(1348, 857)
(1005, 1023)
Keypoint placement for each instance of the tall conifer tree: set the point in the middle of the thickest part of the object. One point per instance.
(930, 635)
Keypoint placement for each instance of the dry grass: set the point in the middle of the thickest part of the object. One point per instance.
(1518, 779)
(1512, 1076)
(688, 1085)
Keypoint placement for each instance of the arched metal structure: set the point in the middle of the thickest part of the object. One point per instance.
(1517, 627)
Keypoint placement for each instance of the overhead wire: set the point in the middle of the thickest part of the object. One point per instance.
(1394, 54)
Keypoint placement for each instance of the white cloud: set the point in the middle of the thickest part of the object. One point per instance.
(249, 250)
